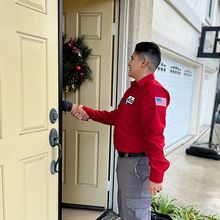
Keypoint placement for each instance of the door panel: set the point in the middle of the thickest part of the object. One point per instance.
(28, 90)
(33, 85)
(35, 177)
(87, 143)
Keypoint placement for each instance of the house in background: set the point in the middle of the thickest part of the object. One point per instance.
(29, 90)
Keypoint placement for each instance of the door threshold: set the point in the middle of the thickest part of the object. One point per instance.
(87, 207)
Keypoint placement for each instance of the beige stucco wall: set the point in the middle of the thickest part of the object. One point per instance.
(140, 22)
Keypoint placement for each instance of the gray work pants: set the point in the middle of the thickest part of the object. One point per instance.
(134, 200)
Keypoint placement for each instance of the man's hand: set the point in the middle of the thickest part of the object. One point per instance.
(78, 112)
(154, 188)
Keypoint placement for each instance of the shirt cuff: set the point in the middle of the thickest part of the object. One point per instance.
(88, 110)
(156, 177)
(66, 106)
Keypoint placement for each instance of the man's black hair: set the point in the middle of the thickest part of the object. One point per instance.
(152, 51)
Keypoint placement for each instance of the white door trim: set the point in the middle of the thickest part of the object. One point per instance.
(121, 84)
(115, 35)
(123, 49)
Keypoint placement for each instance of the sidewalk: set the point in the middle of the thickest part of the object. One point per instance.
(194, 181)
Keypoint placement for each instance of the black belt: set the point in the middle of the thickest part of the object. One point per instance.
(121, 154)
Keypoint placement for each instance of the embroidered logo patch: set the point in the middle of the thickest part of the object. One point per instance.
(161, 101)
(130, 100)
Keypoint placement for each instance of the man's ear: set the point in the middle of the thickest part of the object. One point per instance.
(145, 62)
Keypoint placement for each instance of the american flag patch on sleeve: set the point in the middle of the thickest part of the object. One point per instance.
(159, 101)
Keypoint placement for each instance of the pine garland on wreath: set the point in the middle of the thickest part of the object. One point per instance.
(75, 67)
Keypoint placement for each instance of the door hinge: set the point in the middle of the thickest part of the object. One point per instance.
(114, 29)
(108, 186)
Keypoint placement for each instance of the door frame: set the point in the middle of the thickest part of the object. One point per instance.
(114, 101)
(122, 81)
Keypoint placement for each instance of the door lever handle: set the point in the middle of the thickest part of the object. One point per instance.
(53, 137)
(54, 164)
(54, 141)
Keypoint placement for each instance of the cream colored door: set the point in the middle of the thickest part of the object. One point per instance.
(86, 156)
(28, 90)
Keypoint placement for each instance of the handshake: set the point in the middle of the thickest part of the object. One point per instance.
(76, 110)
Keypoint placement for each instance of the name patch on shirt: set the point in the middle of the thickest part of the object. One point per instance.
(130, 100)
(159, 101)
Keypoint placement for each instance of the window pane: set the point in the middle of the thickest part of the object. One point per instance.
(209, 42)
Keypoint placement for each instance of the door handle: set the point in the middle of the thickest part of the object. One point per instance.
(54, 164)
(53, 137)
(54, 141)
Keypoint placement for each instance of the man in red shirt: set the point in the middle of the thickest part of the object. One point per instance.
(139, 123)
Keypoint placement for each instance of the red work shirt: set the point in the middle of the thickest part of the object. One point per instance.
(139, 123)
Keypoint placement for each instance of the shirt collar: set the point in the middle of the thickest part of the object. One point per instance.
(145, 79)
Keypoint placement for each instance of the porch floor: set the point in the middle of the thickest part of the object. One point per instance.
(190, 180)
(80, 214)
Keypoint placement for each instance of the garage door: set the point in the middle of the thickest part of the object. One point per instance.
(177, 78)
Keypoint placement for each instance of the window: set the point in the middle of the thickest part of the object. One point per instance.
(162, 67)
(175, 70)
(187, 73)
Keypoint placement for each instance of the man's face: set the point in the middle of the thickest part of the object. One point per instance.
(134, 66)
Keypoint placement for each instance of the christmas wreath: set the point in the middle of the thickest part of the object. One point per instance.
(75, 67)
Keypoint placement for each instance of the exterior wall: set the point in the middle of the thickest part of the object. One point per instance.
(140, 22)
(174, 32)
(199, 7)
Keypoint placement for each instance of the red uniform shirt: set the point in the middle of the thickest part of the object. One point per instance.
(139, 123)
